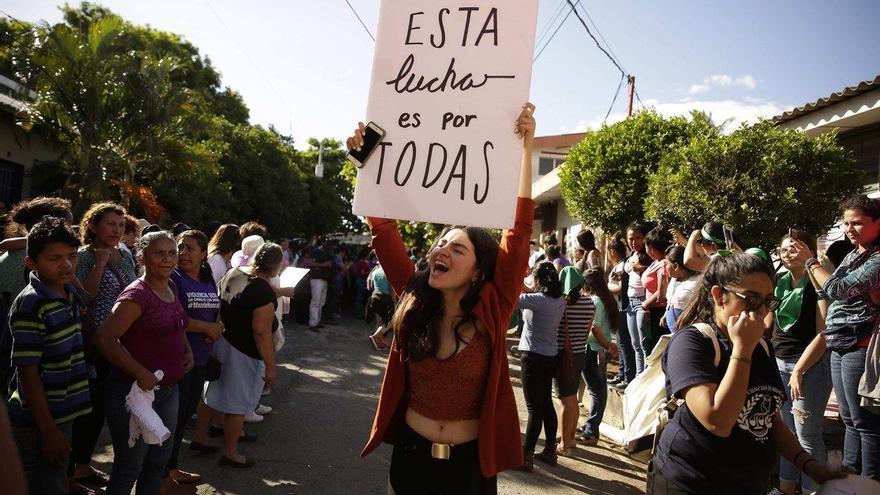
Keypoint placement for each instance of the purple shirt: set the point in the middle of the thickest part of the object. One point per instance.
(201, 302)
(155, 340)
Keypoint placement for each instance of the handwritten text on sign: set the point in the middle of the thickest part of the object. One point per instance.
(449, 80)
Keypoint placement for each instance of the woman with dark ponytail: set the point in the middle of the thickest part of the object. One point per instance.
(726, 435)
(542, 313)
(446, 402)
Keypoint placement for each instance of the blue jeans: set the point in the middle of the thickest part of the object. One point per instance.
(627, 369)
(862, 427)
(594, 374)
(143, 463)
(635, 322)
(810, 410)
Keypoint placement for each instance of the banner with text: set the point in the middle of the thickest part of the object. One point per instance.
(448, 83)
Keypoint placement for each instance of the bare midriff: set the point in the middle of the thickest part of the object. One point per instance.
(452, 432)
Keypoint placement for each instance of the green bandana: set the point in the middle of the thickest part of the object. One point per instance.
(706, 235)
(790, 301)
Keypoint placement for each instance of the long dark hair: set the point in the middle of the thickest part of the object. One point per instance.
(205, 273)
(225, 240)
(421, 307)
(594, 281)
(722, 271)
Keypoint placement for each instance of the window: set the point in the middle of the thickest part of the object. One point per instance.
(547, 164)
(865, 147)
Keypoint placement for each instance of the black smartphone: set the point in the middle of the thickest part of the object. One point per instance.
(373, 135)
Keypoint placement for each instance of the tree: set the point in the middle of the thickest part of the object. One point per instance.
(605, 178)
(332, 193)
(760, 179)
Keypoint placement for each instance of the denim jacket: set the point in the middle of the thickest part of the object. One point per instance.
(851, 315)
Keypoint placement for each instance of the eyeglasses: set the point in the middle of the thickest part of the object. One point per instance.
(755, 302)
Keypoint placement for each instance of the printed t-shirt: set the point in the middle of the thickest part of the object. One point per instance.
(201, 302)
(155, 339)
(240, 294)
(691, 456)
(580, 318)
(45, 329)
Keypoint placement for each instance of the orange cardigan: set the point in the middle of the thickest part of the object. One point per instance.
(499, 434)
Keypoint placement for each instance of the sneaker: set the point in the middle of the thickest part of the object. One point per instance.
(263, 410)
(266, 391)
(253, 418)
(588, 440)
(621, 386)
(615, 380)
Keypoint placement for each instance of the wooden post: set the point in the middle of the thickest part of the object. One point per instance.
(632, 89)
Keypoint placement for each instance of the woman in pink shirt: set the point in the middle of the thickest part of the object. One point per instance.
(655, 281)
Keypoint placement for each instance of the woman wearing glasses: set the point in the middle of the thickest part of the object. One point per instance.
(852, 318)
(801, 356)
(726, 434)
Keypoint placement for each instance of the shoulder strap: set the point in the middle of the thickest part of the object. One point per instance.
(707, 330)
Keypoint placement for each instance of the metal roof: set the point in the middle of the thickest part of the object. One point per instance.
(846, 93)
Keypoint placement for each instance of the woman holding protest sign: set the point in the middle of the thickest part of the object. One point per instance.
(446, 402)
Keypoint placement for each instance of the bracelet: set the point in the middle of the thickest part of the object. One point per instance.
(795, 460)
(740, 358)
(811, 263)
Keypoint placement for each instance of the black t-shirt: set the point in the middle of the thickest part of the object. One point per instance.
(240, 295)
(321, 273)
(792, 343)
(688, 453)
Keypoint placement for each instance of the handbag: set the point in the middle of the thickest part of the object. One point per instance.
(565, 366)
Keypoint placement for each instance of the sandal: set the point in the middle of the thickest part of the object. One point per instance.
(227, 462)
(376, 345)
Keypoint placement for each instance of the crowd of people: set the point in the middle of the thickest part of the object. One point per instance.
(112, 312)
(155, 331)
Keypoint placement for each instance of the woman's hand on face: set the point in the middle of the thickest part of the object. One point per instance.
(746, 330)
(357, 139)
(525, 125)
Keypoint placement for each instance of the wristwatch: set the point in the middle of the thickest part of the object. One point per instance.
(811, 263)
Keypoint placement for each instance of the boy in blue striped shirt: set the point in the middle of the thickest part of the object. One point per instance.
(50, 385)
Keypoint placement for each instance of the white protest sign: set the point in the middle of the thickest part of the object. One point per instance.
(448, 83)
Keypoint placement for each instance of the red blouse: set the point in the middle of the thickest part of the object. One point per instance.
(499, 433)
(451, 389)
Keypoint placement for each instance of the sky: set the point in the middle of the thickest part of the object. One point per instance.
(304, 65)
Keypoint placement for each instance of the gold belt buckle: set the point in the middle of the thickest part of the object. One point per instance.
(441, 450)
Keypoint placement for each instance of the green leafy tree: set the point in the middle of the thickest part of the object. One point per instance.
(760, 179)
(605, 178)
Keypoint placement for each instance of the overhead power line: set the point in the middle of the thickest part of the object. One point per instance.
(553, 35)
(586, 13)
(555, 17)
(614, 100)
(360, 20)
(599, 45)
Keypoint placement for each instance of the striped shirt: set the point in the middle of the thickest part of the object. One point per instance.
(580, 319)
(46, 332)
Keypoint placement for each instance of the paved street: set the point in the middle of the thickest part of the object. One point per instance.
(324, 401)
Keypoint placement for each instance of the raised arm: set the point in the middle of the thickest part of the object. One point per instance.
(386, 239)
(513, 252)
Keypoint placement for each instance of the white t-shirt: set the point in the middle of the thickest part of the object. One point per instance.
(679, 291)
(636, 287)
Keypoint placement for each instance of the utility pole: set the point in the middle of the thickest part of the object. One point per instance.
(632, 89)
(319, 168)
